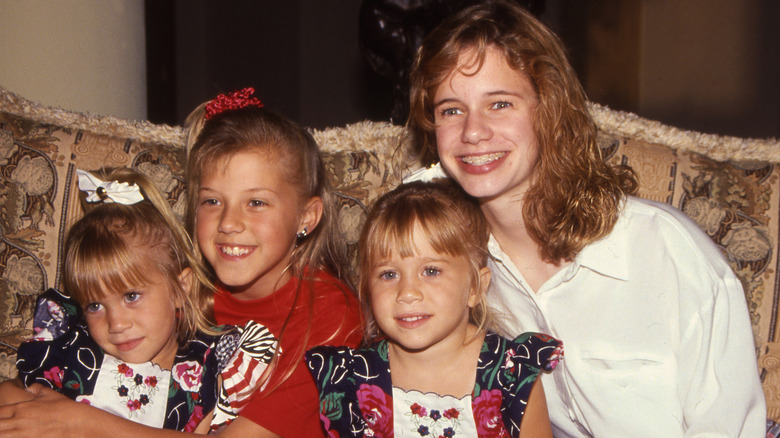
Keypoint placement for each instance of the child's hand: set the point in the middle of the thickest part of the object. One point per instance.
(29, 419)
(12, 391)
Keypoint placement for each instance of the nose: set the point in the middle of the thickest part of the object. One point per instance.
(231, 220)
(475, 128)
(408, 291)
(118, 321)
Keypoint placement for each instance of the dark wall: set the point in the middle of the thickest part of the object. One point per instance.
(303, 57)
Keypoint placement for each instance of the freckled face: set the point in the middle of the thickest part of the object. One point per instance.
(484, 127)
(247, 218)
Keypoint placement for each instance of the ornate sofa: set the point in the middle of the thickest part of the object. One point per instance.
(730, 186)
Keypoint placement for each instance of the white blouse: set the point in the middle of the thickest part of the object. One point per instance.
(655, 324)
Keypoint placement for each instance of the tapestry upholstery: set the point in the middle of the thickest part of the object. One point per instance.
(729, 186)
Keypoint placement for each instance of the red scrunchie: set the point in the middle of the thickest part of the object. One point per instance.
(233, 100)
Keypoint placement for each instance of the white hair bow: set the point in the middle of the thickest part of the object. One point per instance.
(112, 191)
(426, 174)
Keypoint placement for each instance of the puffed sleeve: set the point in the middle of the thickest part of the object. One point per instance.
(245, 355)
(59, 345)
(333, 369)
(523, 359)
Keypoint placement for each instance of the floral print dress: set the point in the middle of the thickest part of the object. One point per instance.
(62, 356)
(357, 398)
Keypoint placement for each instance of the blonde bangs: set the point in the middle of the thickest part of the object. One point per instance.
(94, 268)
(396, 232)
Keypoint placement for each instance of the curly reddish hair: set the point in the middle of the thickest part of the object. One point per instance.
(575, 196)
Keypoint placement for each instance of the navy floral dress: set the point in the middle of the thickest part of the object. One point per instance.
(357, 396)
(62, 356)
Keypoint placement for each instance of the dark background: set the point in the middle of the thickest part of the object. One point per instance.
(305, 61)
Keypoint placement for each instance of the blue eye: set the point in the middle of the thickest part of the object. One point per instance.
(449, 112)
(431, 271)
(501, 105)
(388, 275)
(132, 297)
(93, 307)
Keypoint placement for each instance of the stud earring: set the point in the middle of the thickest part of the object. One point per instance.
(303, 233)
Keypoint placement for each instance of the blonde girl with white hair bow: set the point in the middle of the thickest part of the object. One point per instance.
(132, 334)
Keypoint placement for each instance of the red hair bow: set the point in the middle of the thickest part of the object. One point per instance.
(233, 100)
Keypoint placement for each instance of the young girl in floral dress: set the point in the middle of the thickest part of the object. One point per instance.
(135, 338)
(423, 277)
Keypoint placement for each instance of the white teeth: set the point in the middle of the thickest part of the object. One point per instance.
(478, 160)
(234, 250)
(413, 318)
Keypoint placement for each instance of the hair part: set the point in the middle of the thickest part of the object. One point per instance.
(575, 196)
(450, 219)
(108, 251)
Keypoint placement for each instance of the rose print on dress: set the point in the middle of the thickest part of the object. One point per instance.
(54, 375)
(188, 375)
(487, 411)
(376, 408)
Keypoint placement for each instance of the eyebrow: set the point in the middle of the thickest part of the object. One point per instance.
(443, 101)
(250, 190)
(488, 94)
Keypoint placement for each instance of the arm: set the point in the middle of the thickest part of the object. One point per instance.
(12, 391)
(536, 421)
(242, 427)
(72, 419)
(716, 345)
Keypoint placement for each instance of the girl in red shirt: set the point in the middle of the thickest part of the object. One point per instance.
(262, 214)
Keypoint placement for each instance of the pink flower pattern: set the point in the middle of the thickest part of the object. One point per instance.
(54, 375)
(188, 375)
(376, 408)
(487, 413)
(358, 380)
(197, 416)
(140, 391)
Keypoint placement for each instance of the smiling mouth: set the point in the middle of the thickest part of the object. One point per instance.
(129, 345)
(234, 250)
(413, 318)
(479, 160)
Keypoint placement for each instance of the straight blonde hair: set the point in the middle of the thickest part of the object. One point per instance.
(102, 254)
(452, 222)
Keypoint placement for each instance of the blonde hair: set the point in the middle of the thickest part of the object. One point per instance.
(452, 222)
(575, 196)
(261, 130)
(193, 124)
(101, 253)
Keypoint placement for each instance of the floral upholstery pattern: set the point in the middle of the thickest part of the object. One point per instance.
(737, 202)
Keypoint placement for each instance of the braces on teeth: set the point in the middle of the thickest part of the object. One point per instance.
(479, 160)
